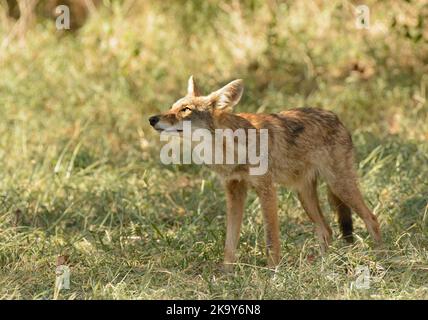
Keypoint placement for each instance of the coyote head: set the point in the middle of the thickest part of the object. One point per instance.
(197, 108)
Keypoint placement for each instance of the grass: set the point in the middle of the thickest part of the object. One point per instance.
(80, 174)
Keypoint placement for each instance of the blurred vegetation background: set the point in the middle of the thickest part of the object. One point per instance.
(79, 168)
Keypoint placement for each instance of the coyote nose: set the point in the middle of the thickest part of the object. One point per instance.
(153, 120)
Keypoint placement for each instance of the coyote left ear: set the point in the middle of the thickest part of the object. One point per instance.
(192, 89)
(229, 95)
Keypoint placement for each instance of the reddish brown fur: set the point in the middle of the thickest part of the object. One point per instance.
(304, 144)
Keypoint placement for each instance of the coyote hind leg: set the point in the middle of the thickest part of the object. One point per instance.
(308, 197)
(348, 192)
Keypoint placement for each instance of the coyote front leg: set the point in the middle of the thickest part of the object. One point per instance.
(268, 200)
(236, 192)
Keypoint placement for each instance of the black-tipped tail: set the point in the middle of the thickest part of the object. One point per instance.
(344, 216)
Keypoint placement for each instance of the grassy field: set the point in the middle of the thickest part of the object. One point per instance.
(80, 174)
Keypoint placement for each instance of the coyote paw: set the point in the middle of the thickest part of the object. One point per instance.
(227, 267)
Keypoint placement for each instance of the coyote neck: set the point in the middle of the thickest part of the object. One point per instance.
(228, 120)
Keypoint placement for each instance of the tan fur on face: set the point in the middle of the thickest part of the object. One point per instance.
(305, 144)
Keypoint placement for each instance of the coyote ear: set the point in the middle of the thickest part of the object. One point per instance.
(229, 95)
(192, 89)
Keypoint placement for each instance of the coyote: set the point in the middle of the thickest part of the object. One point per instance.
(304, 144)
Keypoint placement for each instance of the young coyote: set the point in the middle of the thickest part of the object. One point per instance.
(303, 144)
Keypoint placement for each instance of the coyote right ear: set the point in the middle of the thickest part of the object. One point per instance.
(229, 95)
(192, 89)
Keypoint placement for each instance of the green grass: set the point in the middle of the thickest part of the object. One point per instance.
(79, 166)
